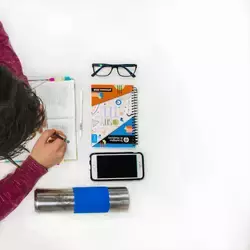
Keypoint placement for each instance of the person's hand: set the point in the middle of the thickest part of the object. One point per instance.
(49, 152)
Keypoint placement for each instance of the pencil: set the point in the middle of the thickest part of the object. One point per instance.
(62, 138)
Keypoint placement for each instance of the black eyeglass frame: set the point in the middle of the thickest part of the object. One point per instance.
(113, 66)
(13, 162)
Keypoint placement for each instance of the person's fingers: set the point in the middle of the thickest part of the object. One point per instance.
(60, 133)
(46, 135)
(64, 148)
(58, 143)
(62, 151)
(54, 137)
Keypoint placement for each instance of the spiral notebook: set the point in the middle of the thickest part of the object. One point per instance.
(114, 116)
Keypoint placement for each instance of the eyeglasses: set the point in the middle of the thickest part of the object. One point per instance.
(124, 70)
(13, 162)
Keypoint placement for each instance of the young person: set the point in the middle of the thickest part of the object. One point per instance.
(21, 115)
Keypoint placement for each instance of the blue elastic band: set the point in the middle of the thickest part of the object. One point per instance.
(91, 200)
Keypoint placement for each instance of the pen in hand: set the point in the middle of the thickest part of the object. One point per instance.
(61, 137)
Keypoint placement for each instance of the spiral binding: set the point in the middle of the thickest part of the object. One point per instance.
(135, 114)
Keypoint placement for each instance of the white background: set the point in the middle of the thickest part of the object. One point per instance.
(193, 80)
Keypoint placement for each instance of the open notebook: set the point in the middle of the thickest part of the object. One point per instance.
(59, 101)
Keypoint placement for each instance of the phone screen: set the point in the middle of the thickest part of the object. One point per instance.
(116, 166)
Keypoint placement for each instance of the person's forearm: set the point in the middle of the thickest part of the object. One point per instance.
(8, 57)
(15, 187)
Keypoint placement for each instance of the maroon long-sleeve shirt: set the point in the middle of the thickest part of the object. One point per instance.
(15, 187)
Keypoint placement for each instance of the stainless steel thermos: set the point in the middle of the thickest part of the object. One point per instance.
(82, 199)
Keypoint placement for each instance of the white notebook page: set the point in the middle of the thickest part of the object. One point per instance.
(59, 101)
(66, 125)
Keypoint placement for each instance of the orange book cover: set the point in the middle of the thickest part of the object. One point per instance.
(114, 115)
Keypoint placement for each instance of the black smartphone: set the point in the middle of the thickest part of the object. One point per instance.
(116, 166)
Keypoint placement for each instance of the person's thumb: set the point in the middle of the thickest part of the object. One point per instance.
(46, 135)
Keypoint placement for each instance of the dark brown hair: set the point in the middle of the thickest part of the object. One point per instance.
(20, 114)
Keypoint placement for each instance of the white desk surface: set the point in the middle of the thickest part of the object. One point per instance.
(193, 82)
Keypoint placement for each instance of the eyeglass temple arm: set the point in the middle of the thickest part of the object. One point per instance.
(26, 149)
(13, 162)
(96, 72)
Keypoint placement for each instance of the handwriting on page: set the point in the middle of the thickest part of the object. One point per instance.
(61, 128)
(67, 126)
(58, 99)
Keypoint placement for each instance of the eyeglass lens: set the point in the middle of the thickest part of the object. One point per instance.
(124, 71)
(102, 70)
